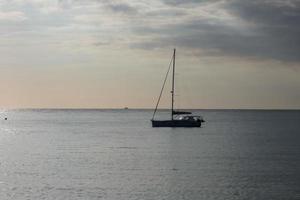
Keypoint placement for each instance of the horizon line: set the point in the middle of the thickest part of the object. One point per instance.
(135, 108)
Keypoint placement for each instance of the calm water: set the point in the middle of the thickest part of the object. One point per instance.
(115, 154)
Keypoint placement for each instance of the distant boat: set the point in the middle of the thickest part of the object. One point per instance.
(125, 108)
(178, 118)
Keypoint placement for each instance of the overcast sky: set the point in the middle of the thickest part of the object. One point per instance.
(114, 54)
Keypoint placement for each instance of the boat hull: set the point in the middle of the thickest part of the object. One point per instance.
(175, 123)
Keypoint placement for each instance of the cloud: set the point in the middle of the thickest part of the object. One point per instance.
(276, 24)
(12, 16)
(181, 2)
(122, 8)
(261, 29)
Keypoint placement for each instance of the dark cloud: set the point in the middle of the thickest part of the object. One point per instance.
(277, 27)
(272, 31)
(122, 8)
(275, 13)
(181, 2)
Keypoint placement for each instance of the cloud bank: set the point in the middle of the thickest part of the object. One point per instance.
(258, 29)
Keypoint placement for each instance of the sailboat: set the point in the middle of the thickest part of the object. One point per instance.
(178, 118)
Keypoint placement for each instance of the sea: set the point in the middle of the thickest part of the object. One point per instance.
(61, 154)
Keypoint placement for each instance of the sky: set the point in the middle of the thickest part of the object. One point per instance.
(115, 53)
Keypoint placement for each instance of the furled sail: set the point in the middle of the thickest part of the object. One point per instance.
(176, 112)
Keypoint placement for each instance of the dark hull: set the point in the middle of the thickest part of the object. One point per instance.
(176, 123)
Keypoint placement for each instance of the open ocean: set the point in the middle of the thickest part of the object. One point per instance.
(116, 154)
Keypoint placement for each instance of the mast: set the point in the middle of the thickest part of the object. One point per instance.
(173, 85)
(163, 86)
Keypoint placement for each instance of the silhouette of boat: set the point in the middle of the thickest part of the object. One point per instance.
(178, 118)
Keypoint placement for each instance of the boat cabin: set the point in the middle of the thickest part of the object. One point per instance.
(191, 118)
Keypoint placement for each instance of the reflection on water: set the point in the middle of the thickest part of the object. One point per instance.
(115, 154)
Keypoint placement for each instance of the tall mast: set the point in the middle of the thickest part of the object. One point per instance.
(173, 85)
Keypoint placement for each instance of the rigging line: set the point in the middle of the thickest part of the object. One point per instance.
(162, 88)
